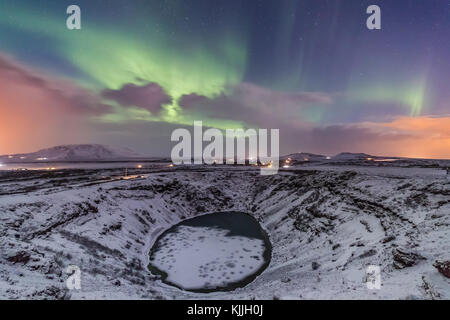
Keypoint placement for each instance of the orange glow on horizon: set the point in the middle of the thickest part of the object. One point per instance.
(413, 137)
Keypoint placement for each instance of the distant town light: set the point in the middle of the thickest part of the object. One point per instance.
(41, 159)
(10, 157)
(139, 166)
(171, 165)
(286, 166)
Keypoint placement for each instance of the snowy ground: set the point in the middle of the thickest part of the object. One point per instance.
(326, 225)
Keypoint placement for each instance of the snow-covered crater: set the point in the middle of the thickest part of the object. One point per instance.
(326, 226)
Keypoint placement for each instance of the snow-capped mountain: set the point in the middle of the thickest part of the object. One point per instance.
(76, 152)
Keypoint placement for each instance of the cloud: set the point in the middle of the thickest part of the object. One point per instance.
(150, 96)
(250, 94)
(39, 110)
(409, 137)
(421, 137)
(253, 104)
(418, 127)
(62, 94)
(391, 135)
(417, 137)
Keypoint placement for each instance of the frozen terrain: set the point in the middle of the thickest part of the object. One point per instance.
(203, 258)
(326, 223)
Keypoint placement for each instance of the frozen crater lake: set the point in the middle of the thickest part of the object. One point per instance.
(213, 252)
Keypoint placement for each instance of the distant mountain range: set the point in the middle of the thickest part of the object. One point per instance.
(344, 156)
(353, 156)
(76, 152)
(98, 152)
(303, 156)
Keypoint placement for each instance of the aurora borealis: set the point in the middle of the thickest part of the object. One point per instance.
(138, 69)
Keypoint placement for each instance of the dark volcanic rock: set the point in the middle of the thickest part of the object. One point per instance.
(443, 267)
(368, 253)
(53, 292)
(388, 239)
(19, 257)
(403, 258)
(337, 245)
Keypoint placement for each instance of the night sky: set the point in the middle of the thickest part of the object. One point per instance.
(139, 69)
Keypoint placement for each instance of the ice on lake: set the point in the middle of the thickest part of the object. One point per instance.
(220, 251)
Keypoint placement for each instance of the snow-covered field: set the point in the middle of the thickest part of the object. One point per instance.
(326, 226)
